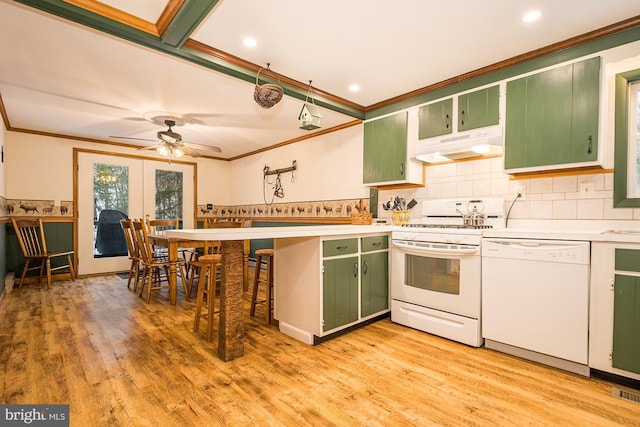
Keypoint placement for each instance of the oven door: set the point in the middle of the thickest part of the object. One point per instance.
(440, 276)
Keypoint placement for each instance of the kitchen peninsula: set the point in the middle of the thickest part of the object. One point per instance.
(298, 276)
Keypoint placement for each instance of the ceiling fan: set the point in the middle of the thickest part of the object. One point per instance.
(171, 145)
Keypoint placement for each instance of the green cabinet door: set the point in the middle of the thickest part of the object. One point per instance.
(374, 282)
(435, 119)
(339, 292)
(585, 107)
(374, 277)
(478, 109)
(385, 149)
(552, 117)
(626, 323)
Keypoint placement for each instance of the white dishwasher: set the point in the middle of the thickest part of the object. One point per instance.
(535, 300)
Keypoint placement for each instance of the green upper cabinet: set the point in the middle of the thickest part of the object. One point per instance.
(552, 117)
(435, 119)
(385, 149)
(479, 109)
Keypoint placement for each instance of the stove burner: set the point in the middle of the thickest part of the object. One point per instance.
(456, 226)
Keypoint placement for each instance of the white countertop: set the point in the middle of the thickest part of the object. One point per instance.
(277, 232)
(606, 235)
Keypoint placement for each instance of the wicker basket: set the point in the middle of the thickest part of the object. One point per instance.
(267, 95)
(361, 218)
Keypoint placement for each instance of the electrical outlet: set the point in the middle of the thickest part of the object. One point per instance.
(519, 190)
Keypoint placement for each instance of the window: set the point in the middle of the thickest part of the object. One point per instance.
(633, 150)
(626, 191)
(168, 194)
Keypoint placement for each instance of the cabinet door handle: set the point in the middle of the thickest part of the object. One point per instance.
(341, 248)
(462, 117)
(376, 243)
(447, 121)
(402, 168)
(365, 268)
(590, 144)
(355, 269)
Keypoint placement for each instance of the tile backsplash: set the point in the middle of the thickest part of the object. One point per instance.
(576, 197)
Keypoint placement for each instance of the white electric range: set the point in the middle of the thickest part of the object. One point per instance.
(436, 267)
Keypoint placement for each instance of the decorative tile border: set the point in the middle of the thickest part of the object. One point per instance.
(314, 209)
(338, 209)
(37, 208)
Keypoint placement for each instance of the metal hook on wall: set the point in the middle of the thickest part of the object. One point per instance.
(278, 190)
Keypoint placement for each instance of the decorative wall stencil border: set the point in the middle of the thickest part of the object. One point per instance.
(313, 209)
(38, 208)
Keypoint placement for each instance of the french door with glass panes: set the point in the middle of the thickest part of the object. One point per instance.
(114, 187)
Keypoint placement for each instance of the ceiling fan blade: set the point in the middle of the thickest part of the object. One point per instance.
(202, 147)
(129, 137)
(190, 152)
(150, 147)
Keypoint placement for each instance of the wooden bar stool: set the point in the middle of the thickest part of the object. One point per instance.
(267, 254)
(207, 284)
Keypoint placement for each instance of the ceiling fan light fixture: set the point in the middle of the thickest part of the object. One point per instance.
(163, 150)
(177, 153)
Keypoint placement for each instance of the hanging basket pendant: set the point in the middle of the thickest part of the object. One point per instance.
(267, 95)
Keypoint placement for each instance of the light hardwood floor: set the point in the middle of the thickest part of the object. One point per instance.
(120, 361)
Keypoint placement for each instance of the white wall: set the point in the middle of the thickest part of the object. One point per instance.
(329, 167)
(41, 168)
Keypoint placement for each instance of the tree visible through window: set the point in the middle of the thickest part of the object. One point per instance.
(111, 204)
(110, 188)
(168, 194)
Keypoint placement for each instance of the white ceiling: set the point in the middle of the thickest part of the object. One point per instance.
(63, 78)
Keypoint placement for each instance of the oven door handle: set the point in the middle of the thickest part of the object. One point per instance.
(432, 251)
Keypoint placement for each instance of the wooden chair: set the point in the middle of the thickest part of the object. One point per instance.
(134, 253)
(244, 223)
(30, 234)
(160, 226)
(267, 255)
(152, 265)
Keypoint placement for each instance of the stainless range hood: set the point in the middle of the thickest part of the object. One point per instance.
(475, 143)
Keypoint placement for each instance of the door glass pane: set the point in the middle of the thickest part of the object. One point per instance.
(111, 204)
(433, 274)
(169, 197)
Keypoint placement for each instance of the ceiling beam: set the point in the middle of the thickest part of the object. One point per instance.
(192, 51)
(190, 14)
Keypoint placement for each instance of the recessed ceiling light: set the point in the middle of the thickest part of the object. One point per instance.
(354, 88)
(531, 16)
(249, 42)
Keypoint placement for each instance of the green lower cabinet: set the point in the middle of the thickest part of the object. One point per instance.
(374, 282)
(626, 323)
(339, 292)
